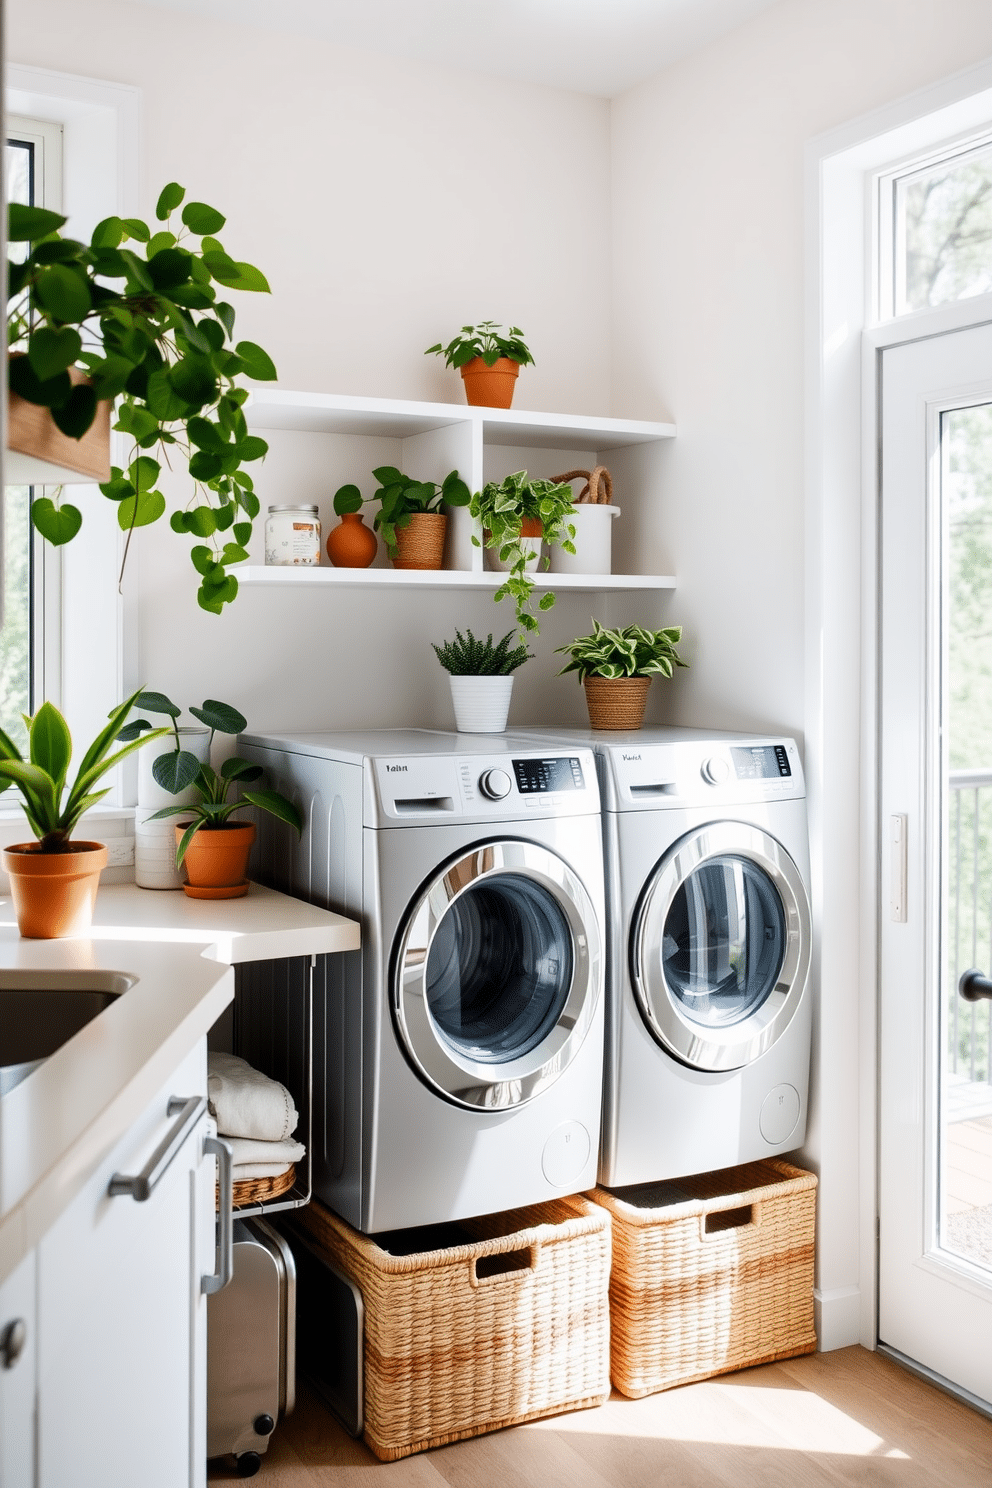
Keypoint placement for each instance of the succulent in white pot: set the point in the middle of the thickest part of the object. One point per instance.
(481, 678)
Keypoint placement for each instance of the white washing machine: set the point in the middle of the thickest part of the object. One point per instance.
(458, 1055)
(708, 949)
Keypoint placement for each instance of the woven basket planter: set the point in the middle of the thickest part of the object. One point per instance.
(616, 702)
(420, 544)
(710, 1274)
(512, 1326)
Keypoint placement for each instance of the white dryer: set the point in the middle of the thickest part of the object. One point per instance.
(458, 1055)
(708, 959)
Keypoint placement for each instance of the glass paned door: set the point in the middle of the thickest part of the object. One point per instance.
(935, 791)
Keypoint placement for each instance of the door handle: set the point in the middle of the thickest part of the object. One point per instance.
(142, 1185)
(973, 986)
(225, 1216)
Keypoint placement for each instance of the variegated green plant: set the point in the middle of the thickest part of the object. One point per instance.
(630, 652)
(501, 509)
(41, 778)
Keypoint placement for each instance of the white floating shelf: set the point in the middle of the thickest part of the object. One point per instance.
(394, 418)
(441, 578)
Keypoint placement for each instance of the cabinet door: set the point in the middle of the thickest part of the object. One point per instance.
(122, 1318)
(18, 1353)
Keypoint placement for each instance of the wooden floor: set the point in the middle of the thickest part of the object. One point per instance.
(849, 1417)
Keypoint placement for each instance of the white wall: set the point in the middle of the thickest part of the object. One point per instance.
(709, 283)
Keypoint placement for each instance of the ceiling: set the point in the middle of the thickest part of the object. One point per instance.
(589, 46)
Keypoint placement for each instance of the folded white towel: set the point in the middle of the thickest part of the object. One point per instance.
(247, 1103)
(247, 1150)
(244, 1171)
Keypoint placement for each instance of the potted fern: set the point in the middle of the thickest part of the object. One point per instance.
(481, 678)
(518, 515)
(616, 666)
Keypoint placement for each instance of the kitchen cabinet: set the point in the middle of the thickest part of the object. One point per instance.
(121, 1308)
(18, 1383)
(351, 435)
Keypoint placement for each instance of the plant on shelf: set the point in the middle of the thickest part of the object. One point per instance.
(350, 544)
(489, 362)
(517, 515)
(156, 341)
(54, 880)
(480, 674)
(176, 769)
(410, 517)
(616, 668)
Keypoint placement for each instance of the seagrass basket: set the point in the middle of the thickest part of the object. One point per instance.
(420, 544)
(258, 1190)
(710, 1274)
(510, 1326)
(616, 702)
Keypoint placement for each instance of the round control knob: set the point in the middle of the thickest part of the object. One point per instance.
(495, 784)
(715, 770)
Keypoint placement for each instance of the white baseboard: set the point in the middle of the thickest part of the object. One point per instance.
(838, 1317)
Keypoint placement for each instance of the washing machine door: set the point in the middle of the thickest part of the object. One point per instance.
(497, 975)
(720, 946)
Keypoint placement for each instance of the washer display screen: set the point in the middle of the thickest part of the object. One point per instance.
(548, 774)
(762, 762)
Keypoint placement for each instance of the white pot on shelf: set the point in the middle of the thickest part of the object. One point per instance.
(481, 704)
(531, 547)
(593, 541)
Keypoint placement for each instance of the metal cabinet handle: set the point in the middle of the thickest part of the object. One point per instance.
(225, 1216)
(12, 1341)
(142, 1185)
(973, 985)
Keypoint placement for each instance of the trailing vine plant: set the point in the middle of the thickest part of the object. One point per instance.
(155, 339)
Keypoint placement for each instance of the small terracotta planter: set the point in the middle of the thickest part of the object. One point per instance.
(531, 543)
(351, 544)
(490, 387)
(420, 544)
(54, 893)
(216, 860)
(616, 702)
(31, 431)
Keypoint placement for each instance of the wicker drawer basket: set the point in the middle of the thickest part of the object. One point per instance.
(460, 1341)
(710, 1274)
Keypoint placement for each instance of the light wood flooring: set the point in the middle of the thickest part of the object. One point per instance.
(849, 1417)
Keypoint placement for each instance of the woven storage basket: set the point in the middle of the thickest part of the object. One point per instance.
(454, 1346)
(420, 544)
(258, 1190)
(616, 702)
(721, 1280)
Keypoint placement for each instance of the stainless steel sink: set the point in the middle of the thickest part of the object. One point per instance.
(41, 1010)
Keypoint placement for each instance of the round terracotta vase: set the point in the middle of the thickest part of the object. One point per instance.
(351, 544)
(54, 893)
(420, 544)
(616, 702)
(216, 860)
(490, 387)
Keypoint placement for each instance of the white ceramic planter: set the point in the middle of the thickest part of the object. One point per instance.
(593, 541)
(481, 703)
(532, 549)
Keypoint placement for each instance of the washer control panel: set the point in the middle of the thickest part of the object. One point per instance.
(495, 784)
(700, 772)
(513, 783)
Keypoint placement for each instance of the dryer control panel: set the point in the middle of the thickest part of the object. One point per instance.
(513, 784)
(700, 772)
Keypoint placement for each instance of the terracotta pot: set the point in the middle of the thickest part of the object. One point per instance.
(616, 702)
(54, 893)
(420, 544)
(531, 543)
(351, 544)
(216, 860)
(32, 432)
(490, 387)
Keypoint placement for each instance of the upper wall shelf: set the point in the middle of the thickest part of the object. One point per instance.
(439, 578)
(393, 418)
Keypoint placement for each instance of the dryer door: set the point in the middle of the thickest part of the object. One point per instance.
(720, 946)
(497, 974)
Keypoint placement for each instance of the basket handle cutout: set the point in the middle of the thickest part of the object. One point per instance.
(728, 1219)
(504, 1263)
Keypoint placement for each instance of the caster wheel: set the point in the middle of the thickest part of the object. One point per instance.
(248, 1464)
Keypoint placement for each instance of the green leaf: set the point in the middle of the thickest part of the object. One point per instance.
(191, 296)
(110, 378)
(117, 489)
(201, 521)
(28, 224)
(186, 838)
(169, 199)
(258, 363)
(64, 292)
(52, 350)
(225, 314)
(276, 805)
(133, 730)
(24, 381)
(234, 554)
(251, 448)
(193, 380)
(50, 744)
(205, 466)
(200, 218)
(77, 413)
(388, 475)
(347, 499)
(162, 399)
(108, 234)
(159, 241)
(242, 532)
(168, 268)
(213, 598)
(136, 229)
(156, 702)
(144, 472)
(140, 511)
(235, 275)
(136, 421)
(203, 559)
(221, 717)
(240, 769)
(175, 770)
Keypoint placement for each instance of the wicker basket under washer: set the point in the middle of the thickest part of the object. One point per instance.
(710, 1274)
(459, 1341)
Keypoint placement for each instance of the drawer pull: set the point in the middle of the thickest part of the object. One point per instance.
(141, 1186)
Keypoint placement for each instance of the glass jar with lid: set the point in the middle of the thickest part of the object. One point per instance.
(292, 536)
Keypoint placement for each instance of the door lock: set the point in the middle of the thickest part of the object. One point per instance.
(973, 986)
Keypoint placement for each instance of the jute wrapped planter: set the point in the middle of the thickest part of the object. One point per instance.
(719, 1277)
(420, 544)
(458, 1342)
(616, 702)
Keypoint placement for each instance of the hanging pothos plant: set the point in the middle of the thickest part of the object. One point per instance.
(147, 325)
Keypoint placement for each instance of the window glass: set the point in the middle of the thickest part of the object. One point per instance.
(943, 231)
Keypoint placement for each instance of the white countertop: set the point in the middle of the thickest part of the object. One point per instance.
(59, 1123)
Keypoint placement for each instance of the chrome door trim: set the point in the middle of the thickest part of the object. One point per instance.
(452, 1074)
(715, 1048)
